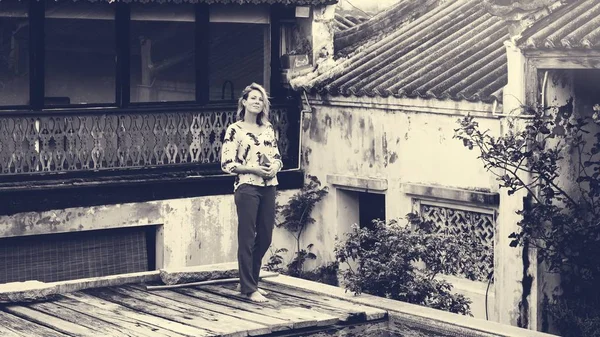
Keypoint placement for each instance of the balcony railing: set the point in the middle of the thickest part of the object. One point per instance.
(54, 142)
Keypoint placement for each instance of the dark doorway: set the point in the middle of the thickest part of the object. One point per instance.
(370, 206)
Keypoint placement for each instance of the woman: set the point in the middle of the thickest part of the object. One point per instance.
(250, 152)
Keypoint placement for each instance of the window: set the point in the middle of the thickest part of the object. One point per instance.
(79, 53)
(237, 58)
(162, 53)
(64, 53)
(14, 53)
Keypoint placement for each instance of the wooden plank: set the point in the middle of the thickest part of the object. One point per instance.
(13, 326)
(318, 289)
(274, 324)
(199, 283)
(369, 313)
(150, 309)
(220, 323)
(96, 323)
(136, 327)
(125, 315)
(293, 301)
(50, 321)
(296, 322)
(322, 319)
(205, 326)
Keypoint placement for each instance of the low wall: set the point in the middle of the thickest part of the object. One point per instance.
(190, 231)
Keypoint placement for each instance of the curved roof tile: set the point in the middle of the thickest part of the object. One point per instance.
(239, 2)
(454, 50)
(574, 26)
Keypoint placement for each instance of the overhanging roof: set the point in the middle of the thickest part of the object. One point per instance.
(238, 2)
(452, 51)
(574, 26)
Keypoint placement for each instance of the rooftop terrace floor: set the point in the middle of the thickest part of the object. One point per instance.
(208, 310)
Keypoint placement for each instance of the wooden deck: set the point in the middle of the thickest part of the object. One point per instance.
(210, 310)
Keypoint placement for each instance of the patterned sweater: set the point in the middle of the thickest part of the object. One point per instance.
(241, 147)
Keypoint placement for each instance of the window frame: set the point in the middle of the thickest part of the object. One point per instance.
(122, 16)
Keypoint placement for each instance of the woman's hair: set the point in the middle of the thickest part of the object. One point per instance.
(263, 117)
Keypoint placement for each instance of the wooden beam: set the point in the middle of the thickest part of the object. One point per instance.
(276, 89)
(202, 53)
(36, 54)
(202, 283)
(123, 85)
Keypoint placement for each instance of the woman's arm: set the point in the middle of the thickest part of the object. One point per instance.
(229, 161)
(273, 152)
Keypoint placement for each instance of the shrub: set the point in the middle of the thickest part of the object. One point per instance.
(386, 257)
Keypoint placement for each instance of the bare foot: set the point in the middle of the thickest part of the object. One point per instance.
(257, 297)
(260, 291)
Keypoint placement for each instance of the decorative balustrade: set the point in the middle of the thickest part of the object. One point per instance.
(96, 141)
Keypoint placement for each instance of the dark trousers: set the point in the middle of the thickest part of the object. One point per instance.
(256, 217)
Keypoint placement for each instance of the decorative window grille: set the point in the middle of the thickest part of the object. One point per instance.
(450, 219)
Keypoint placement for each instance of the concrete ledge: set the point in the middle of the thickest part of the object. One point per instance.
(358, 183)
(412, 314)
(30, 291)
(454, 194)
(199, 273)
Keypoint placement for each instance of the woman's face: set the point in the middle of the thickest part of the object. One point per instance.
(254, 104)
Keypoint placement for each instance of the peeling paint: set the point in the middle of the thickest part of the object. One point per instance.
(344, 120)
(305, 124)
(306, 155)
(384, 143)
(318, 133)
(147, 210)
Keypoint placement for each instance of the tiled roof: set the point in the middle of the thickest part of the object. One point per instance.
(453, 50)
(347, 21)
(240, 2)
(574, 26)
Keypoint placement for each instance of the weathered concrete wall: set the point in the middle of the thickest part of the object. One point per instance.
(388, 140)
(580, 88)
(192, 231)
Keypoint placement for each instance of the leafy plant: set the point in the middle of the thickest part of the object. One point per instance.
(561, 218)
(326, 273)
(296, 215)
(275, 262)
(386, 257)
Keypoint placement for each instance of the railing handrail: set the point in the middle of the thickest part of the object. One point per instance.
(132, 109)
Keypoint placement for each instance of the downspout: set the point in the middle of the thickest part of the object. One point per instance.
(543, 102)
(494, 107)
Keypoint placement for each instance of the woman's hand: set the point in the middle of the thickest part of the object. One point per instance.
(261, 171)
(272, 170)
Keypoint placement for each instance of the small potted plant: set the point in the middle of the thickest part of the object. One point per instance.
(298, 57)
